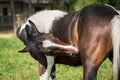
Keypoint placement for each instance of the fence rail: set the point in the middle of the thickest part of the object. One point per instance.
(5, 19)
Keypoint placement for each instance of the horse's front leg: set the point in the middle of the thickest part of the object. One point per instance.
(53, 73)
(46, 72)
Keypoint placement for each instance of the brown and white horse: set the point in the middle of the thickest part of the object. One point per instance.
(43, 21)
(86, 37)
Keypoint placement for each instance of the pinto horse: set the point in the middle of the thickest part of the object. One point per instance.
(43, 21)
(91, 33)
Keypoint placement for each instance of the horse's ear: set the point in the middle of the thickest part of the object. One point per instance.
(34, 28)
(26, 49)
(28, 30)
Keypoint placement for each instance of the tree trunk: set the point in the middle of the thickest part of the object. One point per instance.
(13, 15)
(30, 8)
(62, 3)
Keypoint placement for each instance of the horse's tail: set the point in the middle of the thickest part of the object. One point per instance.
(115, 34)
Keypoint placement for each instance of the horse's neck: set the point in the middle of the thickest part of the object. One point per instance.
(44, 19)
(63, 27)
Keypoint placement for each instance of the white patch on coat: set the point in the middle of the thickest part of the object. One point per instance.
(48, 43)
(44, 19)
(50, 63)
(23, 27)
(45, 76)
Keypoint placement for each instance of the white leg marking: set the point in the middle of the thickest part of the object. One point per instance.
(46, 75)
(48, 43)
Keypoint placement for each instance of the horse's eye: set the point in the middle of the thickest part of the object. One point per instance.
(34, 32)
(41, 43)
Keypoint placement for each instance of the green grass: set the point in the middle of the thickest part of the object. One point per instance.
(18, 66)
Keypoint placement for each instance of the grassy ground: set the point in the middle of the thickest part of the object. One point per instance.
(17, 66)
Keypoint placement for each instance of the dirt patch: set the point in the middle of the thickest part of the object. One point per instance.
(6, 34)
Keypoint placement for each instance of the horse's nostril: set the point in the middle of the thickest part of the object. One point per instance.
(39, 42)
(74, 54)
(74, 45)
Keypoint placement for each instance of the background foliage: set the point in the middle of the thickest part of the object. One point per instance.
(78, 4)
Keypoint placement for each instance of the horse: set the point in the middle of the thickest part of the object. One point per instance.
(93, 33)
(43, 21)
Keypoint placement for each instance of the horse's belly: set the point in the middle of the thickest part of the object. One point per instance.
(67, 60)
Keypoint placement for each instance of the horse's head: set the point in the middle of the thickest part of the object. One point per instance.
(44, 42)
(26, 33)
(26, 30)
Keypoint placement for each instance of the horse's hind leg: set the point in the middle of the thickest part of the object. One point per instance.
(93, 56)
(91, 65)
(90, 70)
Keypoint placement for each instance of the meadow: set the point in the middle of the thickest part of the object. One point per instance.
(21, 66)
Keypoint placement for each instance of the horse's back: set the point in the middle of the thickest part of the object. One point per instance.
(99, 10)
(94, 21)
(95, 18)
(97, 13)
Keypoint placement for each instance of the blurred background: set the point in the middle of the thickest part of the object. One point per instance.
(13, 13)
(16, 66)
